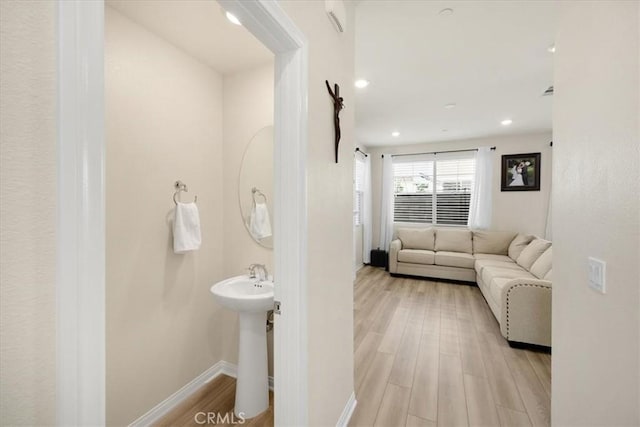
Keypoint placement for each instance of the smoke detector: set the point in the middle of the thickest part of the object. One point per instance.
(548, 92)
(337, 14)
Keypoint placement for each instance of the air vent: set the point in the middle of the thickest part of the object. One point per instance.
(548, 92)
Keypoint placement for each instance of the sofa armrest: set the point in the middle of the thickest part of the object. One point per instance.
(526, 311)
(394, 248)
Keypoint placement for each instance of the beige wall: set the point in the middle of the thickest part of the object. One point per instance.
(523, 211)
(163, 123)
(27, 212)
(596, 357)
(247, 108)
(330, 213)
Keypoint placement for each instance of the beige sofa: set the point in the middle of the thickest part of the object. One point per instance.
(512, 270)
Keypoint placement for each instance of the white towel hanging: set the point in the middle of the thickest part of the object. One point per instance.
(186, 228)
(259, 222)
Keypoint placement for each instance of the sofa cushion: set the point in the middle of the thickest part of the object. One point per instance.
(518, 244)
(548, 275)
(541, 267)
(417, 238)
(452, 240)
(493, 257)
(482, 263)
(455, 259)
(416, 256)
(490, 273)
(492, 242)
(532, 252)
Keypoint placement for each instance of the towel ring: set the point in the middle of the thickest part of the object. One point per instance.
(257, 193)
(181, 186)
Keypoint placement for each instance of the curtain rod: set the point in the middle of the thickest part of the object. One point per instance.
(359, 150)
(436, 152)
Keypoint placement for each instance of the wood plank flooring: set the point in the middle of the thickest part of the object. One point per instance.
(216, 397)
(431, 354)
(426, 354)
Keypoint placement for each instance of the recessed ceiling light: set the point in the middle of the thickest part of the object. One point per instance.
(450, 106)
(362, 83)
(552, 48)
(506, 122)
(395, 134)
(446, 12)
(231, 17)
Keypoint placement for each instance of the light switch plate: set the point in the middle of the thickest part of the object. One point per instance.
(597, 274)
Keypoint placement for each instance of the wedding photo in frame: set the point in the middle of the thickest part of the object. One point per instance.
(520, 172)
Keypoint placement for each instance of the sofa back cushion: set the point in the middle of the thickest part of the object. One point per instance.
(417, 238)
(518, 244)
(548, 275)
(541, 267)
(492, 242)
(532, 252)
(453, 240)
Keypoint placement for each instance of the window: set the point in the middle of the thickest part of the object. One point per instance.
(358, 191)
(433, 189)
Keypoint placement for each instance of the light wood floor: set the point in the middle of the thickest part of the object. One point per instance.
(426, 354)
(431, 354)
(218, 396)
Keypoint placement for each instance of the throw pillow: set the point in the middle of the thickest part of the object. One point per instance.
(518, 244)
(532, 252)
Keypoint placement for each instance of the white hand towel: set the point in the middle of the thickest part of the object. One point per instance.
(259, 223)
(186, 228)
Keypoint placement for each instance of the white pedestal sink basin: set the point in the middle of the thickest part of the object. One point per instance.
(251, 298)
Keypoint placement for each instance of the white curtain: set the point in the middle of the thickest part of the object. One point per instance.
(481, 197)
(366, 213)
(386, 203)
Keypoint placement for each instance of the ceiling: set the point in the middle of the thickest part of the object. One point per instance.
(200, 28)
(490, 58)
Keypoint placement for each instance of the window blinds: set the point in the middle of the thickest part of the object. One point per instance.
(433, 189)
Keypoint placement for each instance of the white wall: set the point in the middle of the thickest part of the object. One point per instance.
(163, 123)
(358, 229)
(330, 212)
(27, 212)
(596, 356)
(523, 211)
(247, 108)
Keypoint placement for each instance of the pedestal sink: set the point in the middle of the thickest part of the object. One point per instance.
(251, 298)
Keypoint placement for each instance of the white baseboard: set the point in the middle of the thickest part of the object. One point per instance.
(163, 408)
(347, 412)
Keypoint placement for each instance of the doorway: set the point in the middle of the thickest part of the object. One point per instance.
(81, 209)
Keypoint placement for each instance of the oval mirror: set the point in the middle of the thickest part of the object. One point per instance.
(255, 188)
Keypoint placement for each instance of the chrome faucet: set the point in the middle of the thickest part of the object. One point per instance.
(258, 271)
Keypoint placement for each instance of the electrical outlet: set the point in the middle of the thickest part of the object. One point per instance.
(597, 273)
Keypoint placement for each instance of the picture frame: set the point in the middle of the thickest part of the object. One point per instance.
(520, 172)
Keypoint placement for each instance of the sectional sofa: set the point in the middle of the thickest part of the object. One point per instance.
(513, 272)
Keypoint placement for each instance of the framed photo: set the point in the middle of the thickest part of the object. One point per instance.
(520, 172)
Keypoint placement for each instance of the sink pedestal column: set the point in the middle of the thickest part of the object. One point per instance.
(252, 385)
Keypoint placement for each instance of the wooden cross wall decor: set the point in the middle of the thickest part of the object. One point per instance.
(338, 105)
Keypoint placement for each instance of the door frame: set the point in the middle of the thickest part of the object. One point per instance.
(80, 276)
